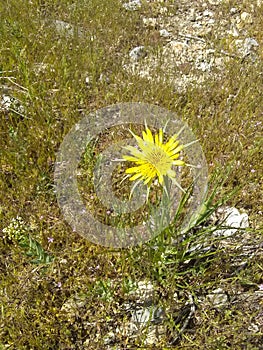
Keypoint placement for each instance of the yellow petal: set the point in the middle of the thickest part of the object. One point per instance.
(178, 162)
(170, 145)
(134, 159)
(135, 169)
(148, 136)
(160, 136)
(148, 180)
(135, 177)
(156, 139)
(174, 156)
(178, 149)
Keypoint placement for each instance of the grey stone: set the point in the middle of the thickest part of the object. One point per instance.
(68, 29)
(250, 44)
(64, 27)
(137, 53)
(218, 298)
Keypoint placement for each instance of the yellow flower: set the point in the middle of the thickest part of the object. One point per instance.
(155, 159)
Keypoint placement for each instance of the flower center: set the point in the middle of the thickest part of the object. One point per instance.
(159, 159)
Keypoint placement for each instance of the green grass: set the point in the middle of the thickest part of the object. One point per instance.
(46, 71)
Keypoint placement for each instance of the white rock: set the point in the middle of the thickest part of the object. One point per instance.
(88, 80)
(8, 103)
(254, 328)
(203, 66)
(250, 44)
(137, 53)
(208, 13)
(5, 103)
(217, 298)
(164, 33)
(232, 218)
(132, 5)
(233, 10)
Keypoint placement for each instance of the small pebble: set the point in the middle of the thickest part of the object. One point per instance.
(137, 53)
(132, 5)
(208, 13)
(233, 10)
(164, 33)
(250, 44)
(5, 103)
